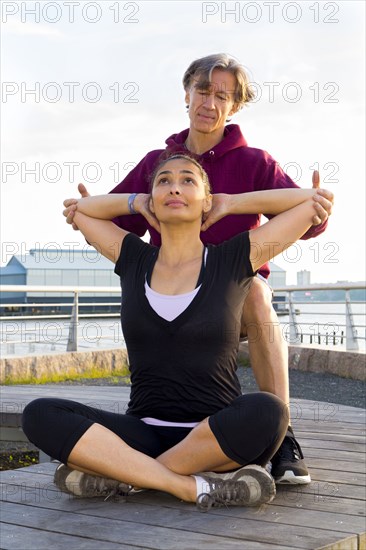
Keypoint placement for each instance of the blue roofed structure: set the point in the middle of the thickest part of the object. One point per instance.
(56, 267)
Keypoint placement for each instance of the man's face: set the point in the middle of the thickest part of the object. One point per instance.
(210, 104)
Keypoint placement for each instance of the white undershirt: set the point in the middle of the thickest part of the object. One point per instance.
(169, 306)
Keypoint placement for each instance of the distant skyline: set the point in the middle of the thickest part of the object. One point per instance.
(89, 88)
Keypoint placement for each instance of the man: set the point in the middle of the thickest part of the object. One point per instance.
(216, 88)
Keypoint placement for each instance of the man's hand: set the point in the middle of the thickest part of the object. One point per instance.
(141, 205)
(220, 209)
(70, 206)
(323, 201)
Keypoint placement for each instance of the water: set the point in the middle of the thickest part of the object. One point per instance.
(327, 321)
(51, 335)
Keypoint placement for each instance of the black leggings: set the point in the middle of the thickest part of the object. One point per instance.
(249, 430)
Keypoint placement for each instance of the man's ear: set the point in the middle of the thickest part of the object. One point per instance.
(187, 98)
(235, 108)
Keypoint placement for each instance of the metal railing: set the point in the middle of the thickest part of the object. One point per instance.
(351, 335)
(295, 335)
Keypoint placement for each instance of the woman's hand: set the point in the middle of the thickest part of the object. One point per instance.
(141, 206)
(220, 209)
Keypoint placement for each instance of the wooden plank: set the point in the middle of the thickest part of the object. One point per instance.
(151, 504)
(335, 465)
(325, 489)
(331, 476)
(350, 543)
(333, 445)
(188, 532)
(333, 454)
(339, 437)
(362, 541)
(25, 537)
(328, 513)
(323, 503)
(159, 501)
(325, 429)
(43, 468)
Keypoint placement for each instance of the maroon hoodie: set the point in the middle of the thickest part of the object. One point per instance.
(232, 167)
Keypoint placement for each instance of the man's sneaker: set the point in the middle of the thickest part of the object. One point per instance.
(288, 465)
(84, 485)
(248, 486)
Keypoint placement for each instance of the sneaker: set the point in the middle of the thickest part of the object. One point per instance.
(288, 465)
(251, 485)
(84, 485)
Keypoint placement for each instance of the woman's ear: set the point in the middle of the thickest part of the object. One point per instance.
(151, 205)
(207, 203)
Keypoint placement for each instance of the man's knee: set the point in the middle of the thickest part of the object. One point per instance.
(258, 303)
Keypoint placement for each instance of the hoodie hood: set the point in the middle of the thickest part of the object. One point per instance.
(233, 139)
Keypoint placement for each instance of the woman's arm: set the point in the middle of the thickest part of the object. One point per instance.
(104, 235)
(270, 202)
(108, 207)
(92, 215)
(101, 207)
(275, 236)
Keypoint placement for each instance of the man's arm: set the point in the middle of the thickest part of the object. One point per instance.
(137, 181)
(275, 178)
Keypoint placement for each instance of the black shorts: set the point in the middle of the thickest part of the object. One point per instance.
(249, 430)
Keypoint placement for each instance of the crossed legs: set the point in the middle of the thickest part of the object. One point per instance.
(72, 432)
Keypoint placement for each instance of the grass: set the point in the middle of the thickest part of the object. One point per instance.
(68, 374)
(17, 459)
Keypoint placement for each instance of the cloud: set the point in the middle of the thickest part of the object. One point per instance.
(29, 28)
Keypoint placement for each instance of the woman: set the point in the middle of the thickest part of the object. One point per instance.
(181, 309)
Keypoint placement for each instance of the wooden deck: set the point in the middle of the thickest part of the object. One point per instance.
(327, 514)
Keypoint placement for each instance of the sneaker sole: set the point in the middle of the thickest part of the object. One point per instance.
(289, 478)
(261, 484)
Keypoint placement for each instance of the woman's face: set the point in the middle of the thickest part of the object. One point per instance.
(179, 193)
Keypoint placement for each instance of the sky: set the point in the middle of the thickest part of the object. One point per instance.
(88, 88)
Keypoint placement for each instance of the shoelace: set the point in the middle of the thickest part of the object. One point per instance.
(222, 493)
(116, 492)
(109, 489)
(290, 449)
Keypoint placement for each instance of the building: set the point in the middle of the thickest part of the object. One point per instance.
(277, 279)
(303, 277)
(277, 276)
(58, 267)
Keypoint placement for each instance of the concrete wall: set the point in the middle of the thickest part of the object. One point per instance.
(57, 367)
(347, 364)
(33, 369)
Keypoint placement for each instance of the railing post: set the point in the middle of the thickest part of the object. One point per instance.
(294, 334)
(72, 342)
(351, 332)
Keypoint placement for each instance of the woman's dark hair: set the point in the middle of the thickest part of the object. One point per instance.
(182, 156)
